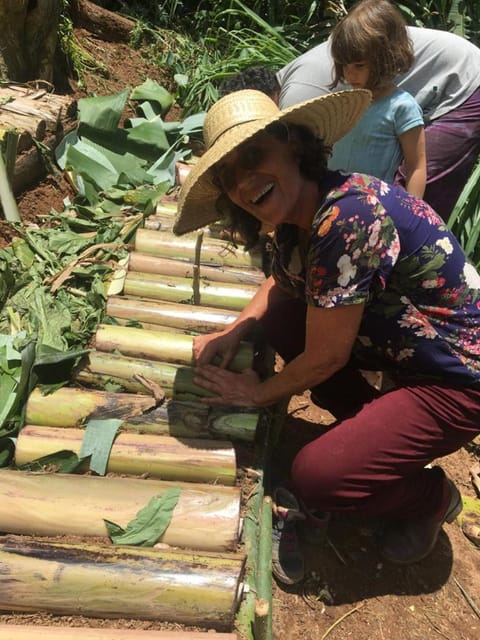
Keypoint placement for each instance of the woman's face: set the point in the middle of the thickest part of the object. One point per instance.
(262, 177)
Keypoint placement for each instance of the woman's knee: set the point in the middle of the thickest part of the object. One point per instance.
(316, 475)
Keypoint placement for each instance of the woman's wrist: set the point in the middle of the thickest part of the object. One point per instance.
(263, 395)
(257, 398)
(240, 328)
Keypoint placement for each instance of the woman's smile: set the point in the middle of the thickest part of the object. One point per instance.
(265, 192)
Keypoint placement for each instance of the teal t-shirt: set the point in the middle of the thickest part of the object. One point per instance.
(372, 146)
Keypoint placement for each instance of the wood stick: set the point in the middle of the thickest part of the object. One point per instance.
(261, 624)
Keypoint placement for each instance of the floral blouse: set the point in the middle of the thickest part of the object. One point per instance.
(374, 243)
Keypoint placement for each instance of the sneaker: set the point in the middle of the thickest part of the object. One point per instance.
(413, 540)
(287, 557)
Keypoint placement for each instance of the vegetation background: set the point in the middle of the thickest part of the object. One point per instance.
(203, 43)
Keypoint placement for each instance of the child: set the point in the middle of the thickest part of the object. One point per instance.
(370, 46)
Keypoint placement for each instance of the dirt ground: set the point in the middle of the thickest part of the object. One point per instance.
(348, 592)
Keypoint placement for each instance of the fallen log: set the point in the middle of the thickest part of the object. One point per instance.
(107, 25)
(112, 582)
(74, 407)
(160, 345)
(40, 632)
(28, 127)
(162, 457)
(206, 517)
(189, 317)
(174, 289)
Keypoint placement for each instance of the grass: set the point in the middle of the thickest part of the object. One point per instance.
(464, 220)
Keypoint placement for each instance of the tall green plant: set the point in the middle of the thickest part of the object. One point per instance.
(461, 17)
(200, 65)
(464, 220)
(214, 40)
(471, 10)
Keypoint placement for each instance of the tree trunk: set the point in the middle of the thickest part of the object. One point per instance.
(169, 314)
(28, 39)
(105, 24)
(29, 34)
(164, 457)
(160, 345)
(206, 517)
(40, 632)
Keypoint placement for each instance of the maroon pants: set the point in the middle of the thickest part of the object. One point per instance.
(373, 463)
(372, 460)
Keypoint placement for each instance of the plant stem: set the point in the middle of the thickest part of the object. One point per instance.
(10, 209)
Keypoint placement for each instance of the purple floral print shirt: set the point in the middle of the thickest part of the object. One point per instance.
(373, 243)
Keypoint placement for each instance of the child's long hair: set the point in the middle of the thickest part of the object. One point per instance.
(374, 32)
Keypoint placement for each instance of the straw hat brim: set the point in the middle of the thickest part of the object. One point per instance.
(329, 117)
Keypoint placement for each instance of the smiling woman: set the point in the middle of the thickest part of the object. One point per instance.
(364, 276)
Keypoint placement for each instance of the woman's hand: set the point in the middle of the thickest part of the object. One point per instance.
(219, 345)
(224, 344)
(236, 389)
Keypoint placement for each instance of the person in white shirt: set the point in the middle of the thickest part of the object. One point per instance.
(370, 47)
(445, 81)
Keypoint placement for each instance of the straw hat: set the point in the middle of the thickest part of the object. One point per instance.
(239, 116)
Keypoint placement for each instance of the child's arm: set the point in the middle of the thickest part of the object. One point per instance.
(413, 148)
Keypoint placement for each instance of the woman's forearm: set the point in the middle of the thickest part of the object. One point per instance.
(330, 334)
(266, 295)
(297, 376)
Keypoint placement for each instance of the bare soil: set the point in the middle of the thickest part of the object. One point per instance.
(348, 592)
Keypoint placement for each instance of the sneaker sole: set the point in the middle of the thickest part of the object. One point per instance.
(284, 579)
